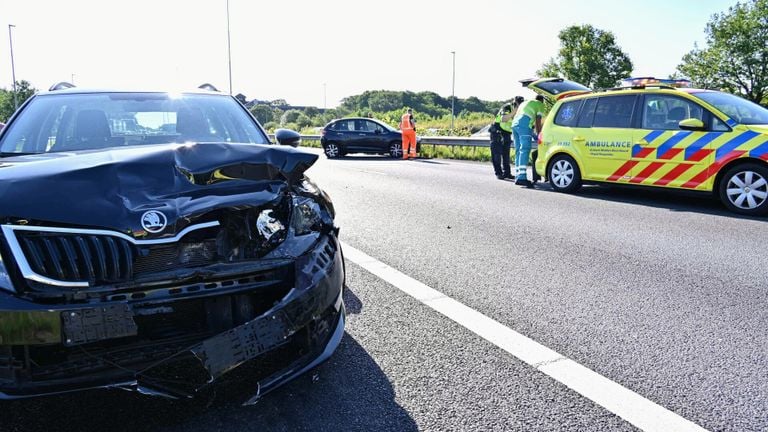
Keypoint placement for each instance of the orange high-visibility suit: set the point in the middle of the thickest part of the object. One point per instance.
(408, 128)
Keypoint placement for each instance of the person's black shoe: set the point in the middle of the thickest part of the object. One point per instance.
(509, 176)
(499, 176)
(525, 183)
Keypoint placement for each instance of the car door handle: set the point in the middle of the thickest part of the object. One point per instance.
(579, 139)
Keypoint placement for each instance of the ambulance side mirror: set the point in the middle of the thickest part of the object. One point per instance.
(691, 124)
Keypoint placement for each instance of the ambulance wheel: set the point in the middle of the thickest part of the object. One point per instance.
(564, 174)
(396, 150)
(332, 150)
(744, 189)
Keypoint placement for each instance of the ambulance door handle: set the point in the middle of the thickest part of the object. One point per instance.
(579, 139)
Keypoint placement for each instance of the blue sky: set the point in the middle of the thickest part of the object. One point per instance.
(317, 52)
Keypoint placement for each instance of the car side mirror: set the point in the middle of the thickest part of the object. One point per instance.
(287, 137)
(691, 124)
(377, 131)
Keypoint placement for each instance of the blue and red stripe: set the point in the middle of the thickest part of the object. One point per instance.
(700, 144)
(726, 149)
(671, 142)
(760, 151)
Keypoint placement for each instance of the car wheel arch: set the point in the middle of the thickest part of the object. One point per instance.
(395, 143)
(727, 167)
(732, 170)
(558, 153)
(339, 147)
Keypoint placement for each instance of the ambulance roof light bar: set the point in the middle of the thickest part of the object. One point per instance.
(640, 82)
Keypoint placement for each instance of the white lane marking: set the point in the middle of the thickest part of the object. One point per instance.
(367, 171)
(635, 409)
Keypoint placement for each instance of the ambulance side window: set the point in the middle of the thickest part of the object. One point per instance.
(719, 126)
(665, 112)
(614, 111)
(587, 113)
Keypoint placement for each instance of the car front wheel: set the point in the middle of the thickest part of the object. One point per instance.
(564, 174)
(332, 150)
(744, 189)
(396, 150)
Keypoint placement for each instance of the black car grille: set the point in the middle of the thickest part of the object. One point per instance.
(170, 256)
(107, 259)
(74, 257)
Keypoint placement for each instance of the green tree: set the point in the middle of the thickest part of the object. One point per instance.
(589, 56)
(735, 58)
(263, 113)
(290, 116)
(303, 121)
(24, 91)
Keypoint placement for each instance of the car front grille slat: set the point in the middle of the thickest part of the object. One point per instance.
(127, 254)
(113, 258)
(71, 256)
(34, 254)
(53, 258)
(100, 264)
(87, 258)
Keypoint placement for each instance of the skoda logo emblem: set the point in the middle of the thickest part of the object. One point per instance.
(153, 221)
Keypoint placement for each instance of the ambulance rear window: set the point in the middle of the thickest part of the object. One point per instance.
(568, 114)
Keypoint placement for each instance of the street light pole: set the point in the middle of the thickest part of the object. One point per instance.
(229, 51)
(453, 89)
(13, 69)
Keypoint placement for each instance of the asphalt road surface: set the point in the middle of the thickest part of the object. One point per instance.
(658, 293)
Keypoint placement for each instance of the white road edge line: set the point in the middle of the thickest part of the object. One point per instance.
(635, 409)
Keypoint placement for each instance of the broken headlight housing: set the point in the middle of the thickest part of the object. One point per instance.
(307, 217)
(5, 278)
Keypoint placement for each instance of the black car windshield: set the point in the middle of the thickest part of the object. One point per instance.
(86, 121)
(739, 109)
(386, 126)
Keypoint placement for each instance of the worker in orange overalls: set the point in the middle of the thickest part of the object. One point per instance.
(408, 128)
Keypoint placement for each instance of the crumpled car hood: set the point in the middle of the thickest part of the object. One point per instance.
(113, 188)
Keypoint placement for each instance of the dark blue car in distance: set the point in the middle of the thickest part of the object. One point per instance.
(361, 135)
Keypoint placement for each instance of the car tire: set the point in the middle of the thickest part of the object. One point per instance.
(564, 174)
(744, 189)
(332, 150)
(396, 150)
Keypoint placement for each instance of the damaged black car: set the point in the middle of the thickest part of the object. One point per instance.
(155, 242)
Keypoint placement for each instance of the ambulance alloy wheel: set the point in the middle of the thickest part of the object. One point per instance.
(564, 174)
(744, 189)
(332, 150)
(396, 149)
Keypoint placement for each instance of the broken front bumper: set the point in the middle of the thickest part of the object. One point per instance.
(179, 342)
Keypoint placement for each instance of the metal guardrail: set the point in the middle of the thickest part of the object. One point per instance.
(427, 140)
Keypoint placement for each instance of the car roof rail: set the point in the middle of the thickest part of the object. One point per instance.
(61, 86)
(207, 86)
(643, 87)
